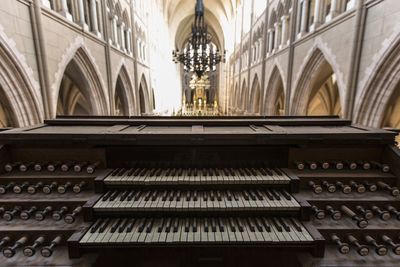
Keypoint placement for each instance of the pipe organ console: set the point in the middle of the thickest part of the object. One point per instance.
(247, 191)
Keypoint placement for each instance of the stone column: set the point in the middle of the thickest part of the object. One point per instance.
(93, 15)
(317, 15)
(122, 30)
(285, 30)
(304, 12)
(46, 3)
(334, 10)
(115, 30)
(277, 35)
(64, 10)
(129, 41)
(81, 10)
(270, 41)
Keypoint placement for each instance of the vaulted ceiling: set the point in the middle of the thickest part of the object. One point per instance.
(180, 16)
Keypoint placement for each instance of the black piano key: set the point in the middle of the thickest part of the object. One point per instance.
(195, 195)
(286, 195)
(263, 171)
(176, 225)
(266, 224)
(276, 194)
(205, 196)
(96, 225)
(213, 225)
(123, 195)
(115, 225)
(113, 196)
(206, 225)
(178, 195)
(130, 225)
(130, 172)
(229, 195)
(121, 172)
(161, 225)
(168, 225)
(252, 195)
(143, 172)
(246, 195)
(251, 224)
(277, 224)
(269, 195)
(147, 195)
(194, 225)
(115, 172)
(104, 225)
(219, 196)
(259, 195)
(296, 225)
(212, 196)
(188, 195)
(122, 225)
(204, 172)
(106, 196)
(154, 195)
(284, 225)
(171, 195)
(130, 195)
(142, 225)
(164, 195)
(216, 172)
(232, 224)
(137, 196)
(240, 224)
(149, 225)
(187, 225)
(258, 224)
(221, 225)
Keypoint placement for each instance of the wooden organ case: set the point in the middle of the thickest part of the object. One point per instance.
(151, 191)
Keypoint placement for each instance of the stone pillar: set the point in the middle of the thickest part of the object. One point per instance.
(285, 30)
(277, 35)
(334, 10)
(46, 3)
(81, 20)
(64, 10)
(129, 41)
(122, 30)
(115, 30)
(270, 41)
(317, 15)
(303, 23)
(93, 15)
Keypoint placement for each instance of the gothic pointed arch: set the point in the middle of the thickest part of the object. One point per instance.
(318, 80)
(255, 96)
(243, 96)
(381, 108)
(80, 91)
(19, 104)
(123, 94)
(274, 102)
(235, 95)
(144, 99)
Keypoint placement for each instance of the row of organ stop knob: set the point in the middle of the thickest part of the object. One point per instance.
(360, 214)
(89, 167)
(29, 247)
(362, 245)
(341, 165)
(352, 186)
(46, 188)
(41, 214)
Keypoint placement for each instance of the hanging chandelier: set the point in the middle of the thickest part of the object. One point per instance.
(199, 55)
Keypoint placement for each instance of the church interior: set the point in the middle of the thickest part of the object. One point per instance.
(268, 128)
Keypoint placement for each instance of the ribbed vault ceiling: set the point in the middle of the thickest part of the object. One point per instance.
(180, 16)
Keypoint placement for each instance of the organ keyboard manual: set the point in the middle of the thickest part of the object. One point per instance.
(183, 191)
